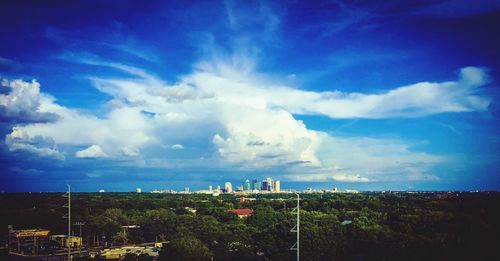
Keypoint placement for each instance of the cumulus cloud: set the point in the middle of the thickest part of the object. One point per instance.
(19, 140)
(248, 122)
(20, 102)
(93, 151)
(260, 138)
(121, 132)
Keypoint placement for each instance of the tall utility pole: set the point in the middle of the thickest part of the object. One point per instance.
(68, 216)
(296, 228)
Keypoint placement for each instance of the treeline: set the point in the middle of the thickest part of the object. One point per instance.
(378, 226)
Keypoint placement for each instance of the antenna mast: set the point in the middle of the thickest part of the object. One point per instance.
(296, 228)
(68, 216)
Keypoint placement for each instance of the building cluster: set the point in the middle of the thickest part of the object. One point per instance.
(39, 241)
(254, 186)
(40, 244)
(267, 185)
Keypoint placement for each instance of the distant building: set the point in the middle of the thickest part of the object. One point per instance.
(264, 185)
(218, 189)
(138, 190)
(242, 213)
(65, 242)
(186, 190)
(277, 186)
(270, 184)
(255, 184)
(247, 186)
(228, 187)
(101, 191)
(240, 188)
(210, 188)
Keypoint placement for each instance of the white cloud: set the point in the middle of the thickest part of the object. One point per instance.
(18, 140)
(177, 147)
(342, 177)
(248, 123)
(93, 151)
(416, 100)
(350, 178)
(129, 152)
(22, 102)
(260, 138)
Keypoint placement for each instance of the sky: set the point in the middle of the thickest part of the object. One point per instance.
(367, 95)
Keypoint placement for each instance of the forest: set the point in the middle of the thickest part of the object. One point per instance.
(333, 226)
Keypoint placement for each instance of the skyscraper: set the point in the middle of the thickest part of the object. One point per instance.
(247, 186)
(270, 184)
(264, 185)
(254, 182)
(256, 185)
(228, 187)
(277, 186)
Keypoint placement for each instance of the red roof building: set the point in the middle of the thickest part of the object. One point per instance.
(242, 212)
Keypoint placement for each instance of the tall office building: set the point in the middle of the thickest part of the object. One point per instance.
(264, 185)
(210, 188)
(228, 187)
(256, 185)
(254, 181)
(277, 186)
(247, 186)
(270, 184)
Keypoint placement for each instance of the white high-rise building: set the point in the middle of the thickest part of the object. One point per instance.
(277, 186)
(228, 187)
(270, 184)
(138, 190)
(210, 188)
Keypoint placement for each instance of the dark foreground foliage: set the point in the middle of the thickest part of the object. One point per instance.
(385, 226)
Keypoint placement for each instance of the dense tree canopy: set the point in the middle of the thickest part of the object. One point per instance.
(365, 226)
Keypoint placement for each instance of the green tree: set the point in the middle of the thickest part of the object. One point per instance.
(121, 236)
(185, 248)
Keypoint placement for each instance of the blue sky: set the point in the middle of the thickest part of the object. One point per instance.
(366, 95)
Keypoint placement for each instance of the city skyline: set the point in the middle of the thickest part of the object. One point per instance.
(320, 94)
